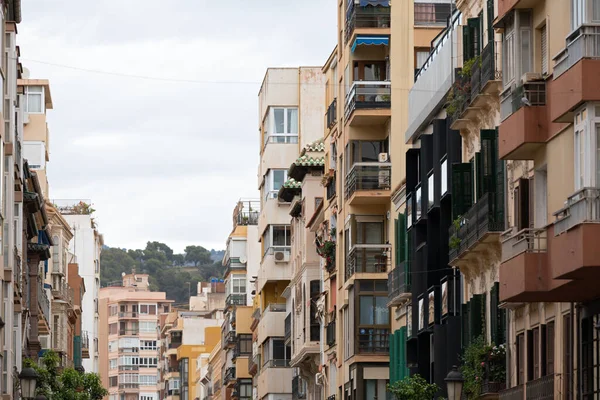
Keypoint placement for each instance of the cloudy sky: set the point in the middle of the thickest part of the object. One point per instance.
(163, 159)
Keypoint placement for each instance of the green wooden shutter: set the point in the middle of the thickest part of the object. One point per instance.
(462, 188)
(484, 315)
(479, 175)
(402, 367)
(494, 303)
(393, 358)
(465, 325)
(467, 43)
(475, 320)
(473, 44)
(499, 212)
(490, 21)
(489, 159)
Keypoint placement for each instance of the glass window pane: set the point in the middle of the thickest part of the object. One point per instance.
(430, 191)
(292, 120)
(278, 179)
(444, 171)
(278, 116)
(382, 312)
(366, 310)
(370, 233)
(279, 235)
(370, 151)
(34, 103)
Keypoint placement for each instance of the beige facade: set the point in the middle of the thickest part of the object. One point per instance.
(129, 339)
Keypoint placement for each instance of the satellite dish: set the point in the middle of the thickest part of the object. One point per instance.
(243, 260)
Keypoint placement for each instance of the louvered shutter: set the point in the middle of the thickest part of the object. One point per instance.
(462, 188)
(544, 37)
(475, 323)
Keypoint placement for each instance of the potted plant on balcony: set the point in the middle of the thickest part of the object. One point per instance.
(483, 368)
(454, 239)
(413, 387)
(326, 249)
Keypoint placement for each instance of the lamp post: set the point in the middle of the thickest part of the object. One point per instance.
(28, 378)
(454, 383)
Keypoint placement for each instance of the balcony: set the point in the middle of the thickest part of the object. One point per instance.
(275, 377)
(479, 227)
(254, 365)
(514, 393)
(576, 78)
(331, 116)
(331, 187)
(434, 79)
(272, 322)
(373, 340)
(366, 18)
(541, 389)
(44, 306)
(368, 103)
(525, 128)
(369, 183)
(230, 339)
(573, 254)
(129, 367)
(287, 328)
(367, 259)
(399, 284)
(235, 300)
(229, 377)
(330, 332)
(523, 276)
(123, 386)
(128, 315)
(248, 217)
(275, 266)
(85, 345)
(129, 332)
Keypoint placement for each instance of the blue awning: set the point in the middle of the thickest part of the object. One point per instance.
(383, 3)
(370, 41)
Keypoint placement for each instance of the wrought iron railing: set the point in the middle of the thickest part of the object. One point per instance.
(332, 113)
(235, 300)
(365, 17)
(248, 218)
(229, 375)
(276, 364)
(582, 43)
(541, 389)
(368, 176)
(330, 333)
(582, 206)
(367, 258)
(491, 63)
(528, 94)
(399, 280)
(482, 218)
(368, 95)
(373, 340)
(43, 300)
(491, 387)
(254, 364)
(514, 393)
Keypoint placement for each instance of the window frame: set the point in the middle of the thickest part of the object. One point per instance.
(269, 124)
(586, 146)
(28, 93)
(270, 192)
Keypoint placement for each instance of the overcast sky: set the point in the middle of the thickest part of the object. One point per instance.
(163, 160)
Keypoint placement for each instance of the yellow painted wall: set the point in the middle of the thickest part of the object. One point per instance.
(243, 319)
(271, 293)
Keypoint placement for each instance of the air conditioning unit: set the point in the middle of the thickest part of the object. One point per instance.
(282, 256)
(25, 118)
(530, 77)
(384, 157)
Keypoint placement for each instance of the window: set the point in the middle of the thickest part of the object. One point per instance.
(274, 180)
(147, 396)
(147, 326)
(520, 359)
(373, 310)
(148, 380)
(409, 211)
(544, 52)
(430, 191)
(112, 346)
(148, 345)
(112, 310)
(516, 45)
(366, 151)
(444, 172)
(373, 316)
(587, 147)
(112, 363)
(278, 237)
(112, 329)
(128, 362)
(549, 348)
(584, 11)
(113, 381)
(421, 58)
(281, 125)
(244, 343)
(34, 99)
(148, 362)
(238, 284)
(369, 71)
(148, 309)
(129, 378)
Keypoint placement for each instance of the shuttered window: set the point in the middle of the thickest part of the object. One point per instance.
(497, 316)
(462, 188)
(544, 37)
(476, 316)
(550, 348)
(520, 359)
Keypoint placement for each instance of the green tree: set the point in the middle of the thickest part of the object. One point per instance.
(178, 260)
(158, 251)
(67, 384)
(197, 255)
(413, 387)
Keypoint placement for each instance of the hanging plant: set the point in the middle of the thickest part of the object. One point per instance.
(326, 250)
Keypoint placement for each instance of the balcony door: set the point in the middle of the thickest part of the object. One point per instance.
(370, 71)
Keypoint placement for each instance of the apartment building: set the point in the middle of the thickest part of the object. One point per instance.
(129, 338)
(304, 193)
(81, 342)
(291, 116)
(548, 136)
(86, 245)
(241, 261)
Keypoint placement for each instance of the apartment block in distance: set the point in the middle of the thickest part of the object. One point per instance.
(129, 338)
(291, 110)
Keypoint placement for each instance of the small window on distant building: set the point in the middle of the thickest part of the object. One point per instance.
(34, 99)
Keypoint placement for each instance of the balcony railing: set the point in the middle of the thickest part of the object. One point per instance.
(235, 300)
(491, 63)
(373, 340)
(253, 364)
(129, 332)
(541, 389)
(276, 307)
(523, 241)
(248, 218)
(331, 187)
(368, 95)
(129, 385)
(129, 367)
(492, 387)
(367, 258)
(331, 333)
(288, 327)
(128, 315)
(582, 206)
(482, 218)
(230, 337)
(583, 43)
(43, 301)
(512, 100)
(428, 14)
(398, 281)
(514, 393)
(368, 176)
(276, 364)
(229, 375)
(332, 114)
(366, 17)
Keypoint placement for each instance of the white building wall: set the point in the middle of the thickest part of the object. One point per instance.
(253, 256)
(85, 246)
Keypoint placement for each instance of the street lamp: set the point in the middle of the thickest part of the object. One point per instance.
(28, 378)
(454, 383)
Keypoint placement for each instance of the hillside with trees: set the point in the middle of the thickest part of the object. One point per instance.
(169, 272)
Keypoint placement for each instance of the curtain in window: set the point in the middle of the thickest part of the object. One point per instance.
(424, 13)
(292, 120)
